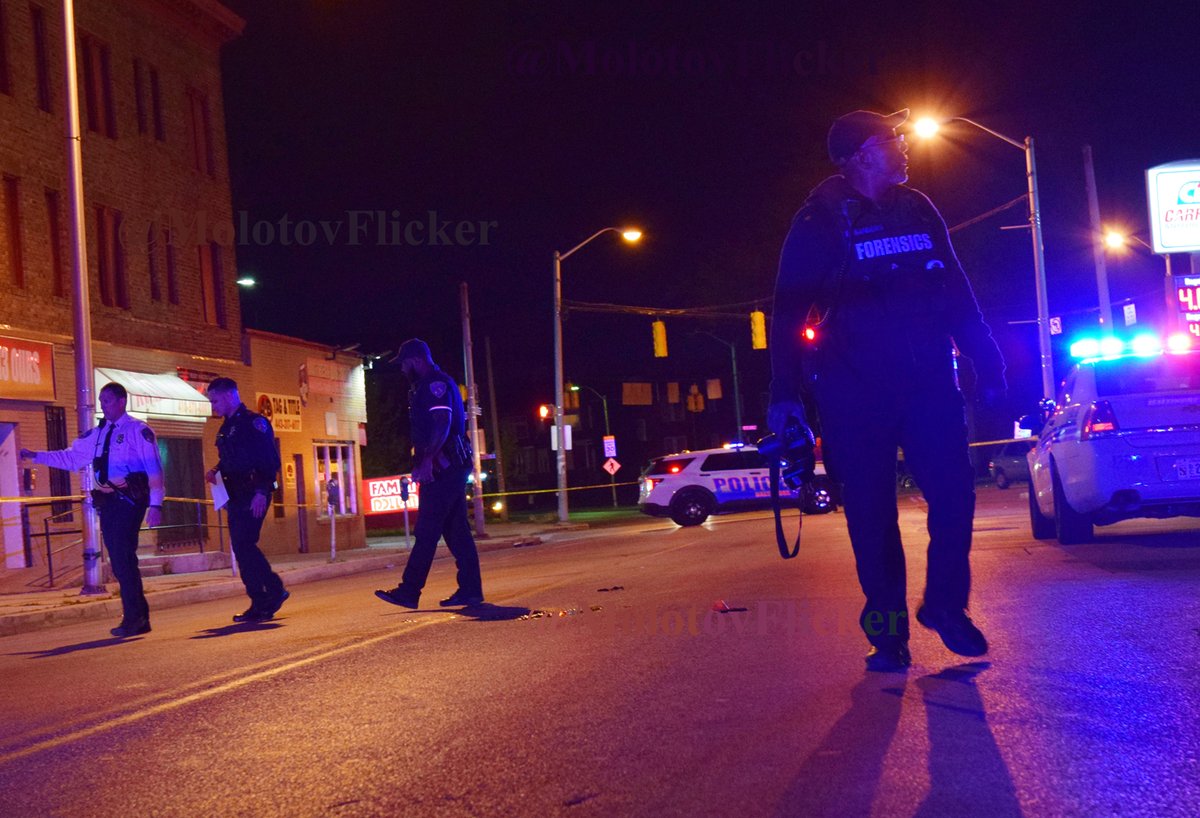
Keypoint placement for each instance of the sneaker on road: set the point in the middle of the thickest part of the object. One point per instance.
(894, 658)
(461, 598)
(270, 610)
(957, 630)
(136, 628)
(252, 614)
(400, 596)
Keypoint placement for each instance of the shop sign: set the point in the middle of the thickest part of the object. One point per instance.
(26, 370)
(282, 410)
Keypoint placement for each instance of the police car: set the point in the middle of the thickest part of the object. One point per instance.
(689, 486)
(1123, 439)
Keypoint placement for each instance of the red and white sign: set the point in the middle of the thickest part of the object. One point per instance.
(26, 369)
(383, 494)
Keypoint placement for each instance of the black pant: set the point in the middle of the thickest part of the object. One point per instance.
(862, 423)
(443, 513)
(263, 586)
(119, 524)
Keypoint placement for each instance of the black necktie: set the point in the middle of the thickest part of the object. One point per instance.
(102, 469)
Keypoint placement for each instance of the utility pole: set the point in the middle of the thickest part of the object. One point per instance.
(487, 348)
(1089, 173)
(473, 411)
(85, 400)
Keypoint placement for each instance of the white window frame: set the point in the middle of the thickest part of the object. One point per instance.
(335, 457)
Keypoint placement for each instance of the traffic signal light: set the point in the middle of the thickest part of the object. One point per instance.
(758, 330)
(660, 339)
(545, 411)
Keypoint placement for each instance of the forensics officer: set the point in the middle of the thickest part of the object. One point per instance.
(443, 461)
(869, 260)
(124, 457)
(248, 465)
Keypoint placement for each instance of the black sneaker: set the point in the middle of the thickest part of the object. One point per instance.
(273, 608)
(400, 596)
(252, 614)
(460, 597)
(895, 658)
(135, 628)
(957, 630)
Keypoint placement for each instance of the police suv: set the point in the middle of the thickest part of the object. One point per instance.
(1123, 440)
(689, 486)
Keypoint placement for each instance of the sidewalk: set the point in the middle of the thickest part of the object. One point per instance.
(23, 610)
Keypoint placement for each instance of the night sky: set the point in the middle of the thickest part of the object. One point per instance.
(706, 128)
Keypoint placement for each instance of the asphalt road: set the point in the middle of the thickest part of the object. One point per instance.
(600, 682)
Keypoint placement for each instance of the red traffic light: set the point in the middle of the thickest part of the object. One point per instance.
(545, 411)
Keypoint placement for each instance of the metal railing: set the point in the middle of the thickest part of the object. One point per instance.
(48, 535)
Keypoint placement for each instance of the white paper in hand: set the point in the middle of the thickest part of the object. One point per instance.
(219, 494)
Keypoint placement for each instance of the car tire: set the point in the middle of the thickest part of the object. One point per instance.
(692, 506)
(1002, 481)
(818, 498)
(1043, 527)
(1071, 527)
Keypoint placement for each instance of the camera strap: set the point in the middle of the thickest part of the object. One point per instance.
(779, 538)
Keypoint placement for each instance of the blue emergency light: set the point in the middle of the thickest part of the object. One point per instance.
(1144, 345)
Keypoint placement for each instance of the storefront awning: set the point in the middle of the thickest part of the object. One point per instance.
(165, 395)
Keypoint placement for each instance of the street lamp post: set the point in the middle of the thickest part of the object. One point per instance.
(561, 459)
(1114, 239)
(927, 127)
(612, 478)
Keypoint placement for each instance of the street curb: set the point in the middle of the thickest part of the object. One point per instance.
(206, 590)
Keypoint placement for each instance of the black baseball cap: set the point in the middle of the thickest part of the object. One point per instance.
(851, 130)
(412, 348)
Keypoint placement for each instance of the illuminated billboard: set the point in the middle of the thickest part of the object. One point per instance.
(1173, 193)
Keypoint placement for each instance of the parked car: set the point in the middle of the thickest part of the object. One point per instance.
(689, 486)
(1123, 441)
(1009, 464)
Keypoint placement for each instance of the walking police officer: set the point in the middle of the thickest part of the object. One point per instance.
(443, 461)
(124, 457)
(868, 262)
(248, 465)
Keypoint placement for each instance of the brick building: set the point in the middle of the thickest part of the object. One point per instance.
(160, 247)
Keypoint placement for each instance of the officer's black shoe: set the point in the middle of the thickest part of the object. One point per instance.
(400, 596)
(252, 614)
(272, 608)
(460, 597)
(127, 628)
(893, 658)
(957, 630)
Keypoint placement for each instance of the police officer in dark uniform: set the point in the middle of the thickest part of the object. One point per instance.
(443, 461)
(124, 458)
(248, 464)
(869, 265)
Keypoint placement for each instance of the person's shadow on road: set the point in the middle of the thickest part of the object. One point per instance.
(237, 627)
(487, 612)
(65, 649)
(840, 777)
(967, 774)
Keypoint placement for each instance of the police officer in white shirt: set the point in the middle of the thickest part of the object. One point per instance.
(124, 457)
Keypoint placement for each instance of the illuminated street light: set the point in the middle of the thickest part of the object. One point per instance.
(926, 127)
(247, 282)
(630, 235)
(1117, 240)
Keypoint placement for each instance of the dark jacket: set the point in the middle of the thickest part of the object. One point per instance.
(882, 287)
(249, 460)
